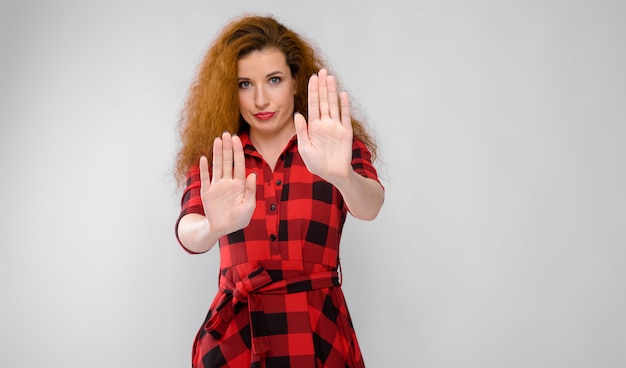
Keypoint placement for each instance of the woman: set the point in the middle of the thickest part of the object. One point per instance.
(275, 196)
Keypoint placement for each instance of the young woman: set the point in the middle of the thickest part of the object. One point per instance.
(271, 163)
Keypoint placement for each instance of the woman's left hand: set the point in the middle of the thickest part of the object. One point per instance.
(325, 142)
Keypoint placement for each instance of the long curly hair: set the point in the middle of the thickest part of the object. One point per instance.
(212, 105)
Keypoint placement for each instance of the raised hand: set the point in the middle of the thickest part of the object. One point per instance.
(228, 197)
(325, 142)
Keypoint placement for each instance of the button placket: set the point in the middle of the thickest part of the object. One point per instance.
(271, 210)
(272, 197)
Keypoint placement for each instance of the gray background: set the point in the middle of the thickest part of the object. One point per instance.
(501, 126)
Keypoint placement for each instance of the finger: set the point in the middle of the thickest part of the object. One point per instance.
(239, 165)
(205, 178)
(227, 156)
(346, 117)
(217, 159)
(323, 94)
(333, 100)
(314, 105)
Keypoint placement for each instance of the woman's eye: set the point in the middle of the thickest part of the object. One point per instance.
(244, 84)
(275, 80)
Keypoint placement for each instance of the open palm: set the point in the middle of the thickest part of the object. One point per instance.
(228, 197)
(325, 142)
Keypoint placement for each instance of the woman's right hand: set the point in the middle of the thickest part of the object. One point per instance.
(228, 197)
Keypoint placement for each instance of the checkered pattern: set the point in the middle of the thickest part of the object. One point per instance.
(280, 302)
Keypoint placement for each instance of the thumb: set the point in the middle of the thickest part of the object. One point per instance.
(301, 127)
(251, 186)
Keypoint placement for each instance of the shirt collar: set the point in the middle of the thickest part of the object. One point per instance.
(249, 149)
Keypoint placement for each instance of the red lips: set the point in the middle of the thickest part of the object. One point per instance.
(264, 115)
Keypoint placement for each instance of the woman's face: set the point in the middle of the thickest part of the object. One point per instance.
(266, 92)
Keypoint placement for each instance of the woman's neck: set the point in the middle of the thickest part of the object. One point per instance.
(270, 146)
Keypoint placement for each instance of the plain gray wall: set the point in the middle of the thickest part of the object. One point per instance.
(501, 127)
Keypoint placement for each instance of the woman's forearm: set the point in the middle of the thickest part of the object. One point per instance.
(364, 196)
(194, 232)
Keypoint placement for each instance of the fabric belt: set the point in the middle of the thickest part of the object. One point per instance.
(249, 291)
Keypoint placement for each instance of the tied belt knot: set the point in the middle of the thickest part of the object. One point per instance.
(240, 292)
(250, 291)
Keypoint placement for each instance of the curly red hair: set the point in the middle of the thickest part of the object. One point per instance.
(212, 105)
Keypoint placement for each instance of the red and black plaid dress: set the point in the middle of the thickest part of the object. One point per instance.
(279, 302)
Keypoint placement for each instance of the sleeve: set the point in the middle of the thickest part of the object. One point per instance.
(191, 202)
(362, 161)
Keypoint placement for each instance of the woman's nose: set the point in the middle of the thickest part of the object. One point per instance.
(260, 97)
